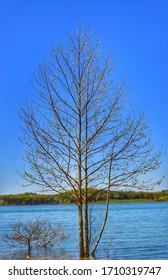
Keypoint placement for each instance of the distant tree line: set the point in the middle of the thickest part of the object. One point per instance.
(93, 196)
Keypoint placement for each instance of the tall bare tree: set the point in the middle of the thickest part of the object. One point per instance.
(80, 131)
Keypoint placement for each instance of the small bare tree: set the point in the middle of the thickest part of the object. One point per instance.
(80, 132)
(34, 233)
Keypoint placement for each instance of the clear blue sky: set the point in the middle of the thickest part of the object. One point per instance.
(137, 32)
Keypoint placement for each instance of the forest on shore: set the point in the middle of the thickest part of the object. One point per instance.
(94, 196)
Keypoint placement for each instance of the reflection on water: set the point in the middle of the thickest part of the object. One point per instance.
(37, 254)
(133, 231)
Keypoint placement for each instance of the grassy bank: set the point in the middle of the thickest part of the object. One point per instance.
(125, 201)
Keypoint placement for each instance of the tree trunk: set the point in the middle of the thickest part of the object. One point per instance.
(103, 226)
(86, 231)
(86, 227)
(106, 213)
(29, 249)
(81, 241)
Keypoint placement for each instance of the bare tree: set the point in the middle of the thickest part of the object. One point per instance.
(80, 131)
(34, 233)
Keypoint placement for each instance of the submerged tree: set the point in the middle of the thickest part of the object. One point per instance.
(34, 233)
(80, 132)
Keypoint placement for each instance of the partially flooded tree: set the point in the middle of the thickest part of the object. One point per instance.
(80, 132)
(34, 233)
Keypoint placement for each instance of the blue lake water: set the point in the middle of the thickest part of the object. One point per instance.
(134, 230)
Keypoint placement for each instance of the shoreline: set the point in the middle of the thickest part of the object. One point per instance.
(96, 202)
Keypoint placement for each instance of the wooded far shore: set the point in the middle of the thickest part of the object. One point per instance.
(94, 196)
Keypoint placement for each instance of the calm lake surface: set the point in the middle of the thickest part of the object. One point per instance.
(134, 230)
